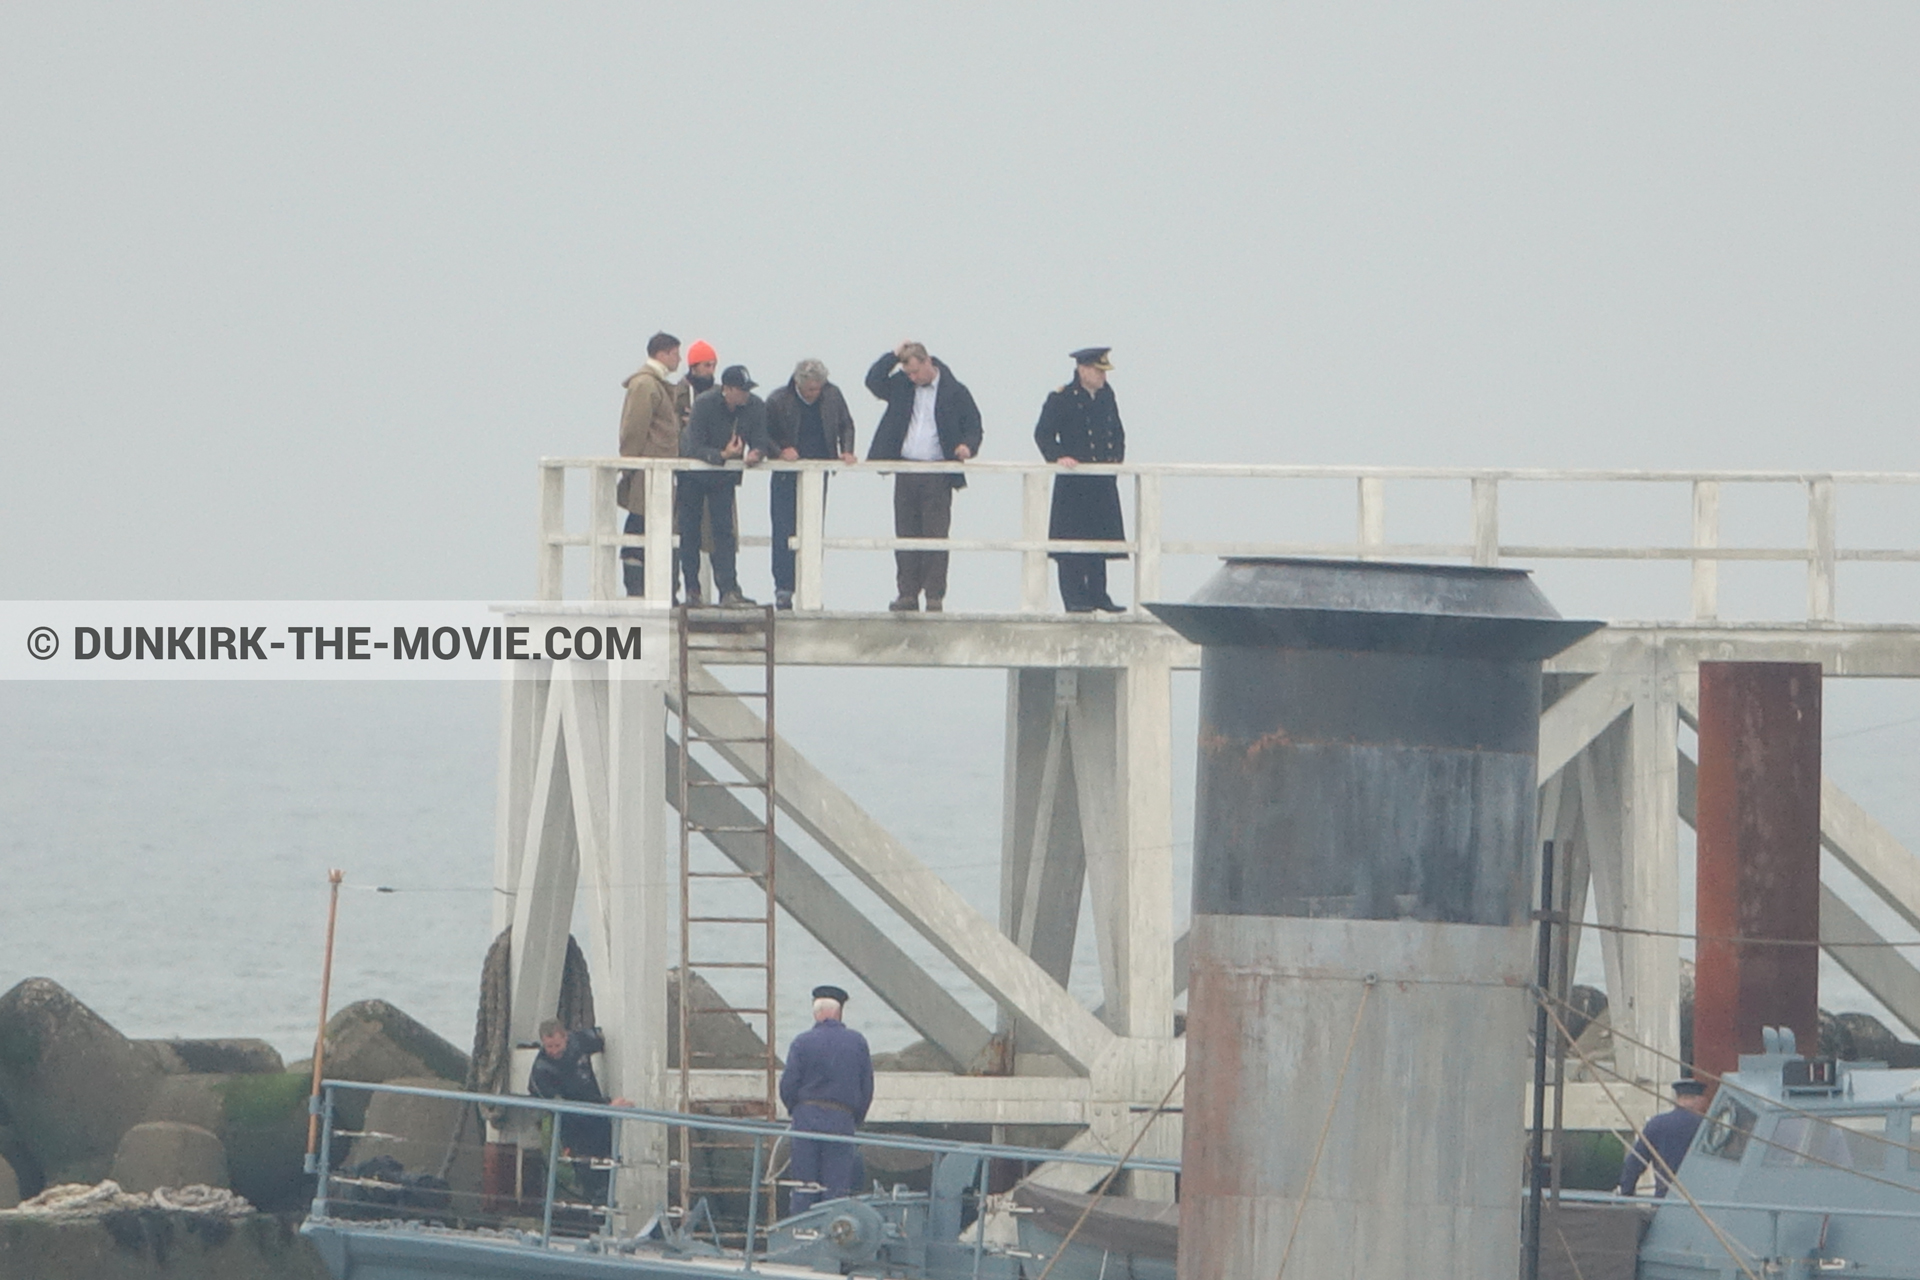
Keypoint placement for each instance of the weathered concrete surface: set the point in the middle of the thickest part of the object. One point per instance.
(9, 1186)
(166, 1153)
(376, 1042)
(423, 1131)
(155, 1245)
(71, 1083)
(230, 1057)
(266, 1138)
(191, 1099)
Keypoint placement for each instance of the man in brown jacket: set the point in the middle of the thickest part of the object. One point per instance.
(649, 428)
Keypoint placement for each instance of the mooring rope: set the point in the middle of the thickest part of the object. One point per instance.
(1106, 1182)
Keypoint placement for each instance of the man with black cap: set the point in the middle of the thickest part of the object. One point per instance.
(827, 1087)
(1081, 423)
(1668, 1136)
(727, 422)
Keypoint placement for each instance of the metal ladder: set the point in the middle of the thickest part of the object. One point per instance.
(721, 928)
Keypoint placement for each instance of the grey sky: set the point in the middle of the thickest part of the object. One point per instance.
(295, 295)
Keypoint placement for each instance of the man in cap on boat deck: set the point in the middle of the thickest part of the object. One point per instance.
(1667, 1135)
(1081, 423)
(827, 1087)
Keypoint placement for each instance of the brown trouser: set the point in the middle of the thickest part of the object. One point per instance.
(922, 508)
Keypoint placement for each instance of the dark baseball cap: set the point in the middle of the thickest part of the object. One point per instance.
(735, 375)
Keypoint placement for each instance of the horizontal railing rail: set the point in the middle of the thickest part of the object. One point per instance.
(1149, 542)
(350, 1187)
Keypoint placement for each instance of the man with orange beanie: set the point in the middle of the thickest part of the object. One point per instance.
(702, 360)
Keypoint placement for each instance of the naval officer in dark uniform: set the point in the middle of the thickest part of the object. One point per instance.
(1668, 1134)
(827, 1087)
(1081, 423)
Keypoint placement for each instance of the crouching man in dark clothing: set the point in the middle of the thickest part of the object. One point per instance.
(564, 1071)
(827, 1087)
(727, 422)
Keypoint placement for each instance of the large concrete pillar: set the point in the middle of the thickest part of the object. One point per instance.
(1757, 818)
(1364, 839)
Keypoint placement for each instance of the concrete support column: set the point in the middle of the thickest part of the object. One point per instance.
(1042, 859)
(1758, 819)
(641, 913)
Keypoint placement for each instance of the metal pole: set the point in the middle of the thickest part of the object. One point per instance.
(753, 1202)
(320, 1196)
(1544, 969)
(980, 1211)
(553, 1181)
(326, 990)
(1562, 991)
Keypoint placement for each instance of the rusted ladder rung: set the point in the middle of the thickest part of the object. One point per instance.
(725, 1008)
(725, 920)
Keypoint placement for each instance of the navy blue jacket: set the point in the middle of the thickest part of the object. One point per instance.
(569, 1076)
(829, 1063)
(1670, 1133)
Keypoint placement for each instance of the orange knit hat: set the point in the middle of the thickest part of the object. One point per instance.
(702, 352)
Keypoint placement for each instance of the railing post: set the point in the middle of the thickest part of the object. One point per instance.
(1373, 516)
(753, 1201)
(553, 1181)
(1822, 553)
(603, 576)
(1146, 538)
(659, 534)
(321, 1191)
(1034, 491)
(552, 565)
(810, 557)
(1706, 536)
(1486, 520)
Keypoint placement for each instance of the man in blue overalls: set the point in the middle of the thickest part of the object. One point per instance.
(827, 1087)
(1670, 1134)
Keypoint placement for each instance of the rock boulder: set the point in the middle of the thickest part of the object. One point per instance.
(166, 1153)
(216, 1057)
(72, 1083)
(9, 1186)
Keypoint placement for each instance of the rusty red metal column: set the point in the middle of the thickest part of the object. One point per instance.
(1758, 881)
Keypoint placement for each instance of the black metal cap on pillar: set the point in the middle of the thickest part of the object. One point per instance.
(1369, 736)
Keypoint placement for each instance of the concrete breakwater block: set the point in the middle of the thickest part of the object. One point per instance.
(191, 1099)
(165, 1153)
(376, 1042)
(153, 1244)
(71, 1083)
(422, 1132)
(9, 1185)
(233, 1057)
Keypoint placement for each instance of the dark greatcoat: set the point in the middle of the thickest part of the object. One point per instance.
(1086, 428)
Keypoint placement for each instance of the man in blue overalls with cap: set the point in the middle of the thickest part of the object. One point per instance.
(1668, 1134)
(827, 1087)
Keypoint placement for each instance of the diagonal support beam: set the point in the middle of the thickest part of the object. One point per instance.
(1889, 976)
(839, 926)
(926, 902)
(1580, 716)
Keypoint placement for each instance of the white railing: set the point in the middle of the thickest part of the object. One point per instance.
(1148, 546)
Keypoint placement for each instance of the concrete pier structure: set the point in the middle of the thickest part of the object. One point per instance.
(1359, 952)
(586, 788)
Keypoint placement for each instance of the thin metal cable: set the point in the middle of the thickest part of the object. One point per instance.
(1673, 1178)
(1108, 1180)
(1781, 1104)
(1326, 1126)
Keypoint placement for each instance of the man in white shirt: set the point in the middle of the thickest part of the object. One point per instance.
(930, 417)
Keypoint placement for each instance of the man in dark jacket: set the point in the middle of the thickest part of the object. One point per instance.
(807, 418)
(1668, 1136)
(564, 1070)
(1081, 423)
(930, 416)
(727, 422)
(827, 1086)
